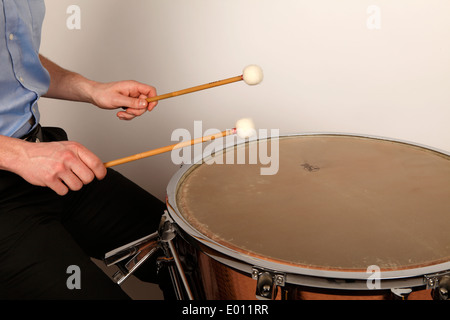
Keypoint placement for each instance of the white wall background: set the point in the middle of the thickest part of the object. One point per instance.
(325, 70)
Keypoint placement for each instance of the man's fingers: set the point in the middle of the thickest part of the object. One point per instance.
(59, 187)
(135, 107)
(71, 180)
(83, 173)
(94, 164)
(129, 102)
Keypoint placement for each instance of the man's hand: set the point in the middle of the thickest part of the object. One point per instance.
(129, 95)
(61, 166)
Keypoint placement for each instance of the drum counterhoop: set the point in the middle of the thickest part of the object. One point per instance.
(338, 206)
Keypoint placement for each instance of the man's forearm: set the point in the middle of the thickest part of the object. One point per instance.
(65, 84)
(130, 95)
(10, 152)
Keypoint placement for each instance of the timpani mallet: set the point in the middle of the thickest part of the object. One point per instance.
(251, 75)
(244, 128)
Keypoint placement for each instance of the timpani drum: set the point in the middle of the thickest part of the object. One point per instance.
(344, 217)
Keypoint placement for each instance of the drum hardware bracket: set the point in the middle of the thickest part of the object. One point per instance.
(267, 281)
(143, 248)
(133, 264)
(440, 284)
(167, 231)
(139, 251)
(401, 293)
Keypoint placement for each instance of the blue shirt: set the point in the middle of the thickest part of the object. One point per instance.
(23, 79)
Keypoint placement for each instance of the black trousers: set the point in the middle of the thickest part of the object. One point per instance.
(42, 235)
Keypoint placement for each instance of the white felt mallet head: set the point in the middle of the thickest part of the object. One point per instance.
(252, 74)
(245, 128)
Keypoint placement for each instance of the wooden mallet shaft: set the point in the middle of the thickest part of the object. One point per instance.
(169, 148)
(197, 88)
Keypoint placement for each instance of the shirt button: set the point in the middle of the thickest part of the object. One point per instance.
(11, 36)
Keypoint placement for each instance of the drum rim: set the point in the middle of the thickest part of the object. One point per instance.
(280, 266)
